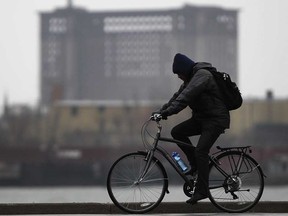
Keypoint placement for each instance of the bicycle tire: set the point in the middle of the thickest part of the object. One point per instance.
(237, 192)
(125, 190)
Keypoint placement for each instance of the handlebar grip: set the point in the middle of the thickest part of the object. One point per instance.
(156, 117)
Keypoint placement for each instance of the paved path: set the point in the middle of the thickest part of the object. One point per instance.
(102, 208)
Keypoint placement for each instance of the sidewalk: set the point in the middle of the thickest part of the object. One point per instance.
(102, 208)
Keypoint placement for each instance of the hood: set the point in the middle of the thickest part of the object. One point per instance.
(200, 65)
(182, 65)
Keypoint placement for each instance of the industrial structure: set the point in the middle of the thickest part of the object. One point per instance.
(127, 55)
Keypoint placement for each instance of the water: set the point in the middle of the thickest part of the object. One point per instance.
(100, 195)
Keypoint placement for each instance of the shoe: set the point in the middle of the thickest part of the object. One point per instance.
(195, 198)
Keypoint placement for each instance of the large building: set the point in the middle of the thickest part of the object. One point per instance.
(127, 55)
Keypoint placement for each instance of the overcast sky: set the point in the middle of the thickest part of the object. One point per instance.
(263, 42)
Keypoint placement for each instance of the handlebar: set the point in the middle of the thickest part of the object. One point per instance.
(148, 137)
(156, 117)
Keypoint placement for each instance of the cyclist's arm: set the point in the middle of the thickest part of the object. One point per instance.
(187, 97)
(176, 94)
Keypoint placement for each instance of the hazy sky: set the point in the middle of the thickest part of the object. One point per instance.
(263, 42)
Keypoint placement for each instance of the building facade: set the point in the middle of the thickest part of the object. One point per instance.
(128, 55)
(96, 123)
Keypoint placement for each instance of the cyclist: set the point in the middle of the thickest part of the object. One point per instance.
(210, 117)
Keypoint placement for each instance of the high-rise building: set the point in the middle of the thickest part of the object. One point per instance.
(128, 55)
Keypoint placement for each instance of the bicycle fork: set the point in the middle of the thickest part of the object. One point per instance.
(148, 161)
(149, 157)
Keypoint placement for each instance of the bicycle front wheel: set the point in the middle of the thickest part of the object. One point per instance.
(132, 191)
(236, 182)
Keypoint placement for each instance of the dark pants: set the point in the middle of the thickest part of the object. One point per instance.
(198, 156)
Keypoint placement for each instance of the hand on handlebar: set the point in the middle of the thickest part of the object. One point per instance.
(156, 117)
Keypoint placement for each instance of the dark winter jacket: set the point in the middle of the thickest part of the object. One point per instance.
(202, 95)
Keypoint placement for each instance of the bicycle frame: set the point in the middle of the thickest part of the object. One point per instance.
(165, 154)
(168, 157)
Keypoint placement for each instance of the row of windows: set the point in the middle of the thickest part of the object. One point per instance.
(149, 72)
(120, 24)
(134, 23)
(137, 24)
(132, 68)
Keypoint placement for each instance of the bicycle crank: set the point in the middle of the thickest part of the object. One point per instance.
(188, 190)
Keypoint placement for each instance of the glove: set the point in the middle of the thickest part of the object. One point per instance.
(164, 114)
(156, 116)
(155, 113)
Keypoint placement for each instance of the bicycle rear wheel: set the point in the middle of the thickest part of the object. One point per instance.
(240, 186)
(129, 191)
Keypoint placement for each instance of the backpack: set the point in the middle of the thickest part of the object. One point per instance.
(231, 95)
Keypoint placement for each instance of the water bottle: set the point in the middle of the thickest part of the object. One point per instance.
(180, 162)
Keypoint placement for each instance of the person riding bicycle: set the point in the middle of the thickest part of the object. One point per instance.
(210, 117)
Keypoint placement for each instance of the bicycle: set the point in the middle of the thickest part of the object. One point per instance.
(137, 182)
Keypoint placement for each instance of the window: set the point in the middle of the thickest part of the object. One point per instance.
(58, 25)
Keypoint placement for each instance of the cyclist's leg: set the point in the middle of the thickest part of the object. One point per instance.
(184, 130)
(208, 137)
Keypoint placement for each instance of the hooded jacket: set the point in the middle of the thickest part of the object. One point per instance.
(182, 65)
(200, 93)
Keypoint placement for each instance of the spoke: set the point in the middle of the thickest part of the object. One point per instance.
(129, 192)
(241, 189)
(153, 180)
